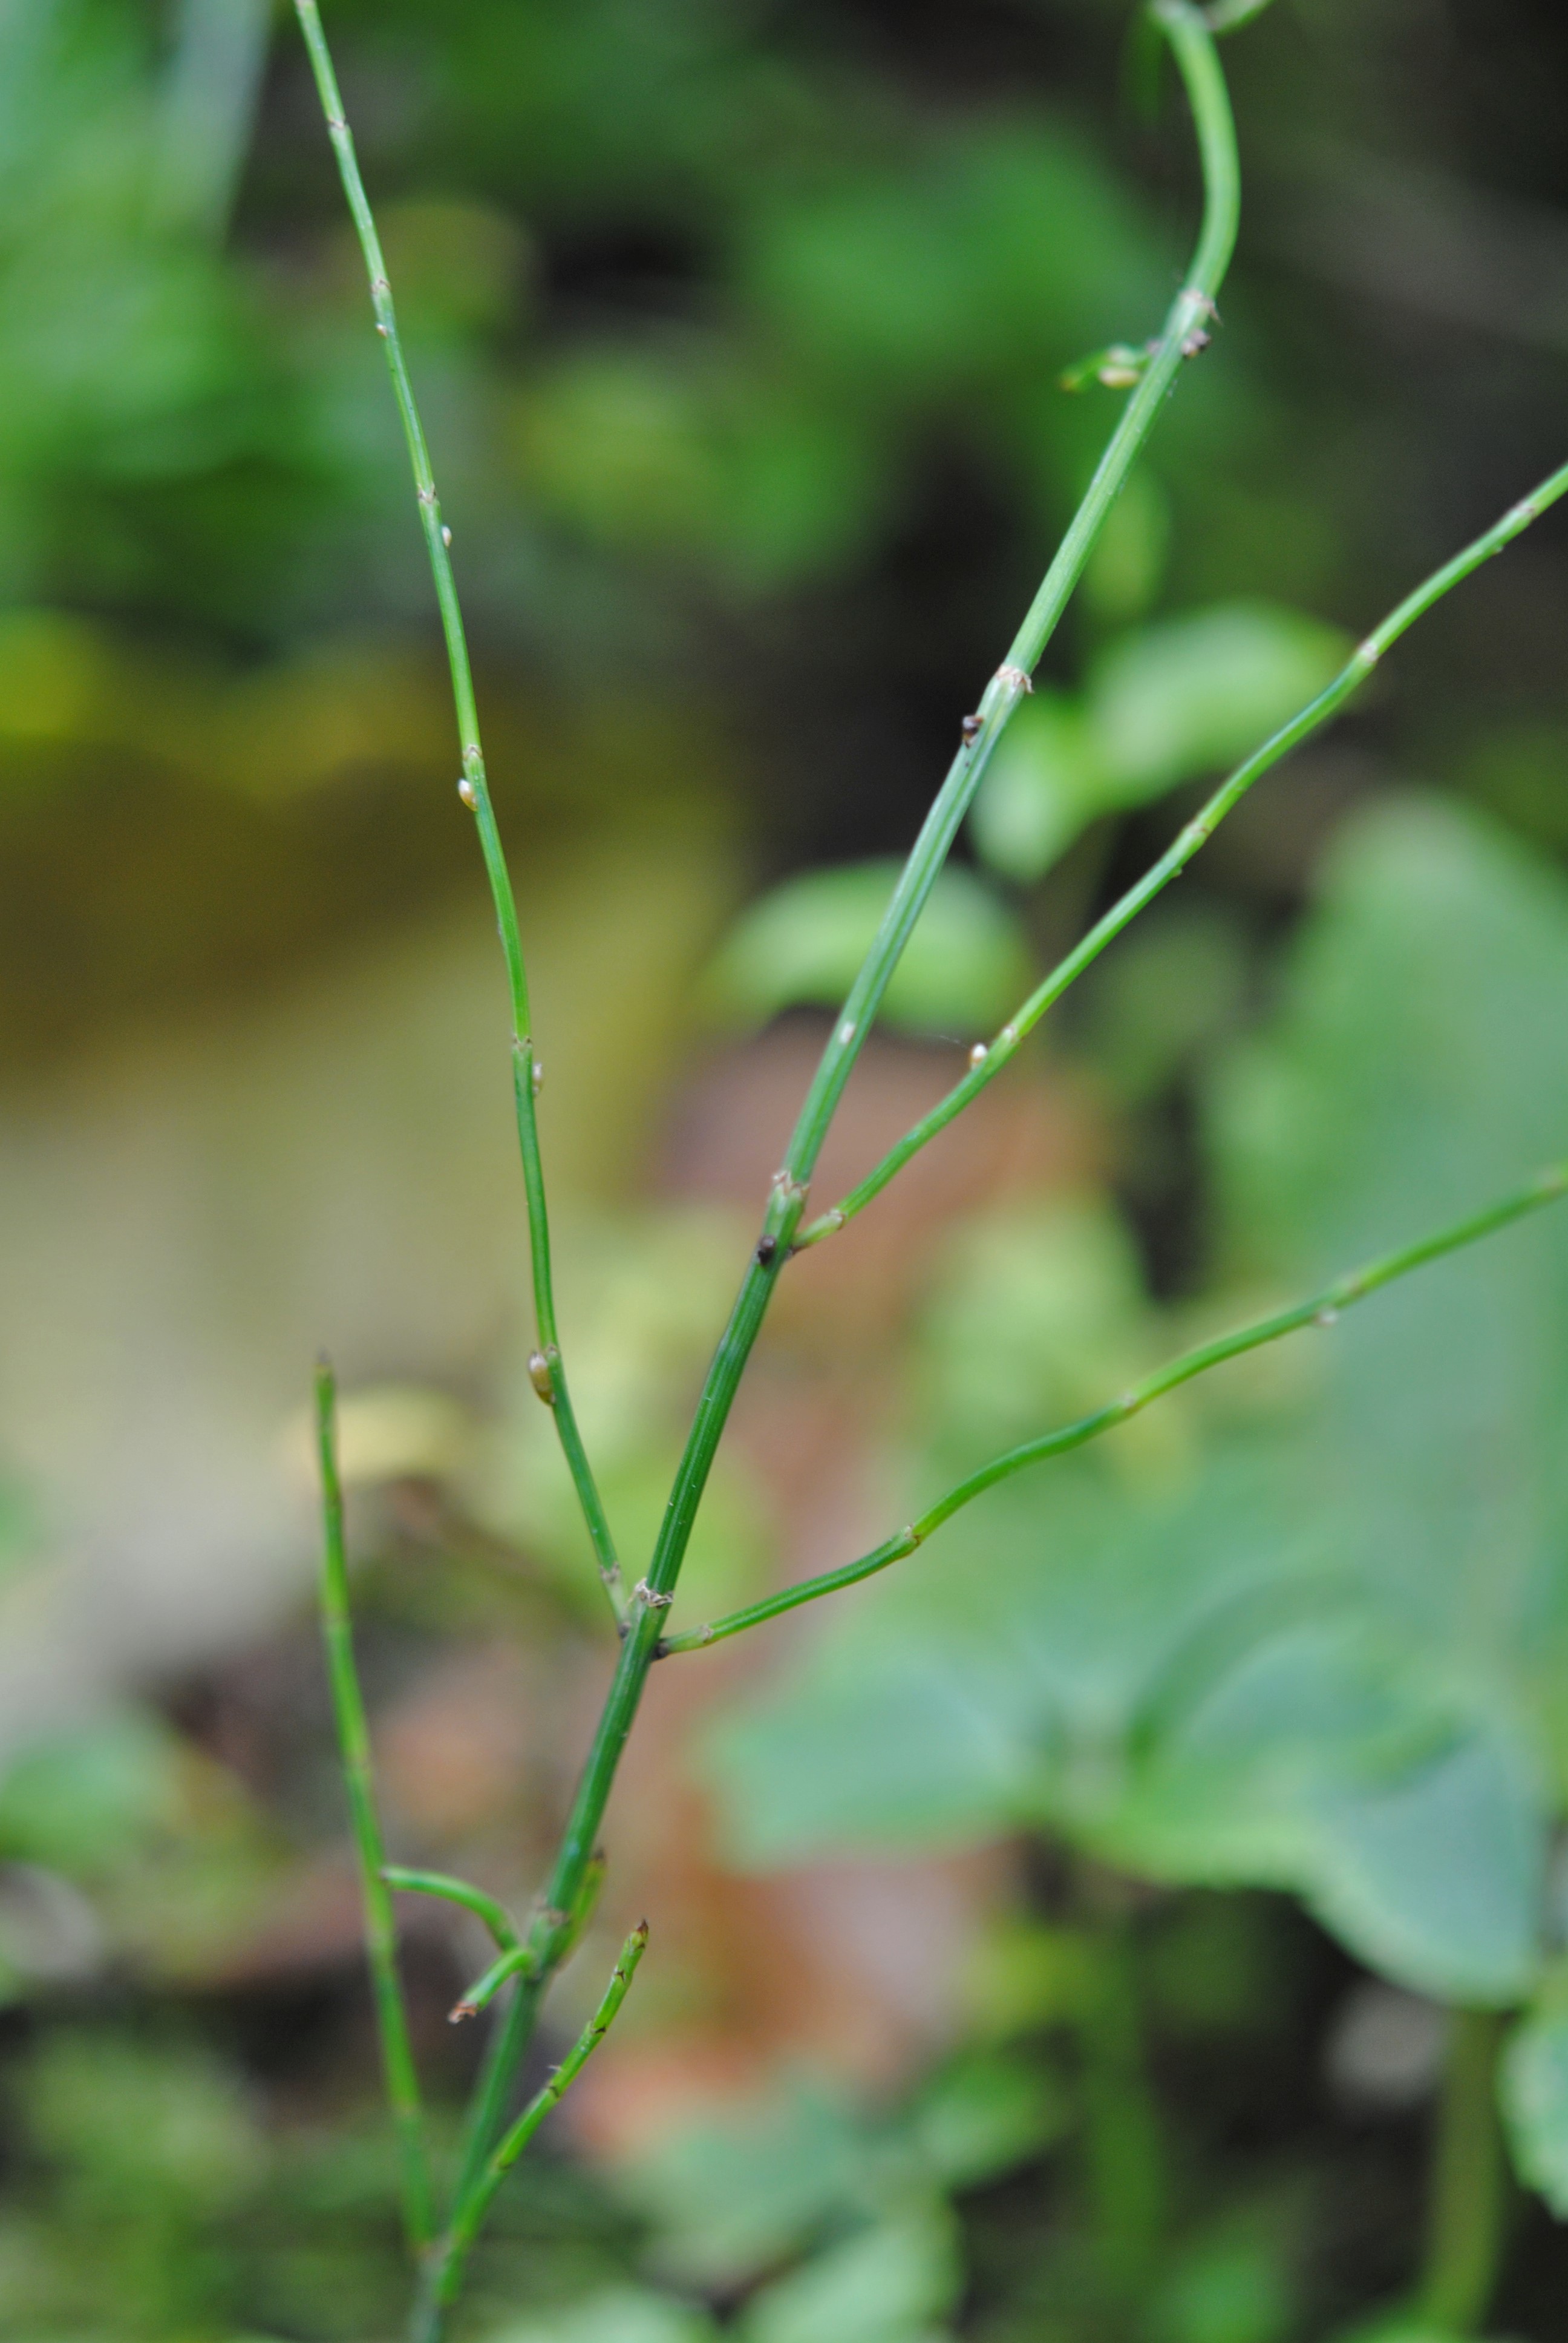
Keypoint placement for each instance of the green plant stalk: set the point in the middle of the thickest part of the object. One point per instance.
(502, 1969)
(1184, 29)
(474, 789)
(641, 1614)
(1321, 1310)
(456, 1891)
(468, 2224)
(1004, 1046)
(1216, 135)
(354, 1742)
(1217, 143)
(1468, 2189)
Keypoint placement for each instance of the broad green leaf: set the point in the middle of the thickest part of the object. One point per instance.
(888, 2283)
(729, 2193)
(153, 2124)
(1231, 2287)
(84, 1800)
(1047, 781)
(1172, 989)
(985, 2113)
(1324, 1648)
(620, 2314)
(965, 966)
(1196, 692)
(1534, 2087)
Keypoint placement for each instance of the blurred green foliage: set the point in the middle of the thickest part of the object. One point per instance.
(1172, 702)
(1315, 1642)
(739, 328)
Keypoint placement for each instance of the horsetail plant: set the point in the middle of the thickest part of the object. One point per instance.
(528, 1957)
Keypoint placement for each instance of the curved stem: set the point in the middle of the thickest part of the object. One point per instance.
(1321, 1310)
(502, 1969)
(1464, 2215)
(1006, 1044)
(456, 1891)
(1184, 29)
(1194, 52)
(353, 1744)
(641, 1614)
(475, 791)
(1212, 114)
(442, 2283)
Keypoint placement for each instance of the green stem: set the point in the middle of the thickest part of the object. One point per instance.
(1321, 1310)
(354, 1742)
(552, 1934)
(456, 1891)
(502, 1969)
(1184, 29)
(642, 1612)
(1212, 114)
(1465, 2213)
(990, 1061)
(443, 2282)
(474, 789)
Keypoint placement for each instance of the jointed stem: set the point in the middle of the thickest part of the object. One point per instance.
(474, 789)
(1184, 28)
(353, 1742)
(443, 2280)
(1211, 112)
(1005, 1045)
(641, 1614)
(1321, 1310)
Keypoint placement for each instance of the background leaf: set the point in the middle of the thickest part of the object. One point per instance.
(1169, 702)
(1318, 1647)
(965, 966)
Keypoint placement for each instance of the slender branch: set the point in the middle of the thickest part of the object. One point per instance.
(445, 2280)
(642, 1612)
(1194, 54)
(456, 1891)
(991, 1056)
(1195, 57)
(507, 1964)
(1321, 1310)
(473, 790)
(353, 1744)
(1182, 337)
